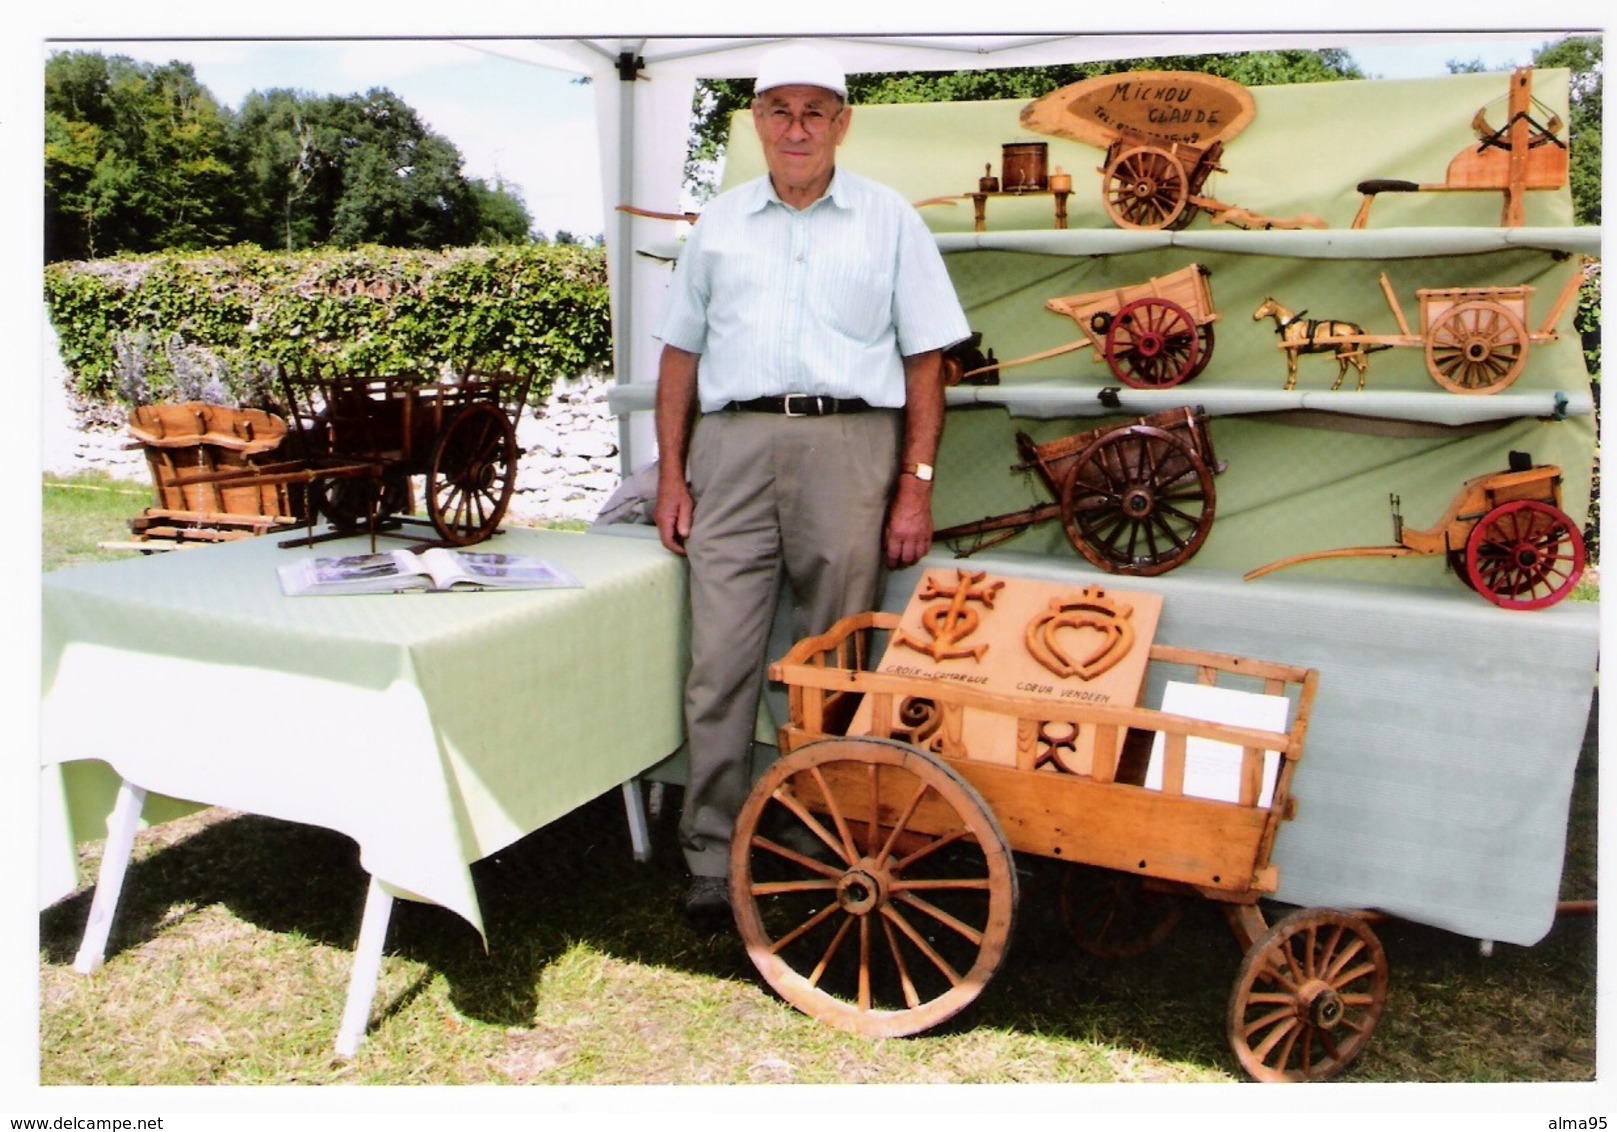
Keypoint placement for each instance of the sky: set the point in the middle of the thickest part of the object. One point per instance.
(533, 127)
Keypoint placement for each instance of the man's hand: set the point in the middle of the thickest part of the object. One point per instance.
(673, 514)
(909, 523)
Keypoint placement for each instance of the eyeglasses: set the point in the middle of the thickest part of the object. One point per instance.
(813, 119)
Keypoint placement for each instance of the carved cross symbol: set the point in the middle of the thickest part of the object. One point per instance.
(952, 622)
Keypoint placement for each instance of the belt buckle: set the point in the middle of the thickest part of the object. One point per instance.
(786, 405)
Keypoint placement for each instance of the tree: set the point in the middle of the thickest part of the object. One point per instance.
(136, 158)
(718, 100)
(502, 214)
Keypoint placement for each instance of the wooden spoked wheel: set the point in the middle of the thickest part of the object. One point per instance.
(346, 501)
(1152, 343)
(1476, 347)
(871, 886)
(1524, 555)
(1204, 349)
(1308, 997)
(1146, 188)
(472, 474)
(1114, 915)
(1137, 501)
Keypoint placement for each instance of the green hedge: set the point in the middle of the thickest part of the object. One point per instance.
(219, 326)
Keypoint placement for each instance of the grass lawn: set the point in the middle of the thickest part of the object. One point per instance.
(231, 950)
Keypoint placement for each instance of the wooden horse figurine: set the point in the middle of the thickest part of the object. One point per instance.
(1316, 336)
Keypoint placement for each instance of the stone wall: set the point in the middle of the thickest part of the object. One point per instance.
(569, 467)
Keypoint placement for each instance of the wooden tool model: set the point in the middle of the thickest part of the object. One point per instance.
(1524, 154)
(1475, 338)
(1163, 133)
(1504, 534)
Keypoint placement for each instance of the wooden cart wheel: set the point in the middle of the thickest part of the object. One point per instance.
(1137, 501)
(472, 474)
(1146, 188)
(1152, 343)
(346, 501)
(1308, 996)
(897, 911)
(1114, 915)
(1476, 347)
(1204, 349)
(1524, 555)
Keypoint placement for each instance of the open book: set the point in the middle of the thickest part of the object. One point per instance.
(434, 570)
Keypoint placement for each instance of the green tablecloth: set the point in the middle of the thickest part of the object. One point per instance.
(433, 729)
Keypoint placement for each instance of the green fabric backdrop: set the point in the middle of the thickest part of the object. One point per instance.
(1295, 482)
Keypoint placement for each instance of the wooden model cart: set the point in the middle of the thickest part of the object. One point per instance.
(209, 466)
(1475, 338)
(1151, 335)
(1521, 156)
(366, 436)
(1132, 499)
(1504, 534)
(872, 875)
(1164, 133)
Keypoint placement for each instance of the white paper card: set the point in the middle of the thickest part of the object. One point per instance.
(1213, 769)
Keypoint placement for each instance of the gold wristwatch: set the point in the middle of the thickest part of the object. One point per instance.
(922, 472)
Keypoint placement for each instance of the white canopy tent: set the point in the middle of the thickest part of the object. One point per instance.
(644, 87)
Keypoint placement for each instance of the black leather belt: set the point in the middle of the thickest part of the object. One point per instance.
(800, 405)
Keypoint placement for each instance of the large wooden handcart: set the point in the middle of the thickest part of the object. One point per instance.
(1132, 499)
(365, 437)
(872, 875)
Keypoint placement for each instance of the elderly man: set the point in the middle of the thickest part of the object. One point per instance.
(799, 406)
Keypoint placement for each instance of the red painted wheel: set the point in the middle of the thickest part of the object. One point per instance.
(1524, 555)
(1152, 344)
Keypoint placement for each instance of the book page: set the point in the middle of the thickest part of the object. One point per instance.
(494, 569)
(1213, 769)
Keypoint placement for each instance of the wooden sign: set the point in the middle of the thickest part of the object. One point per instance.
(1025, 638)
(1164, 106)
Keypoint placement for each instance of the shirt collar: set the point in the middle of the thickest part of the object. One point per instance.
(836, 192)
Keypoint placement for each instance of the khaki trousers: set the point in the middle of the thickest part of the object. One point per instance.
(799, 499)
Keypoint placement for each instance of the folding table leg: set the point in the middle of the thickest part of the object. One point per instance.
(121, 826)
(639, 835)
(367, 966)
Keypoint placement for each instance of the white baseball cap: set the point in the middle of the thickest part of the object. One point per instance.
(800, 64)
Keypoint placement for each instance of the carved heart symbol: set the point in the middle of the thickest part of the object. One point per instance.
(1086, 615)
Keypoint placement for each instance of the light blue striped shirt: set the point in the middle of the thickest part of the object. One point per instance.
(825, 300)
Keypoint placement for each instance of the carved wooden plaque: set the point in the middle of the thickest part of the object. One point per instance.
(1163, 106)
(1073, 643)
